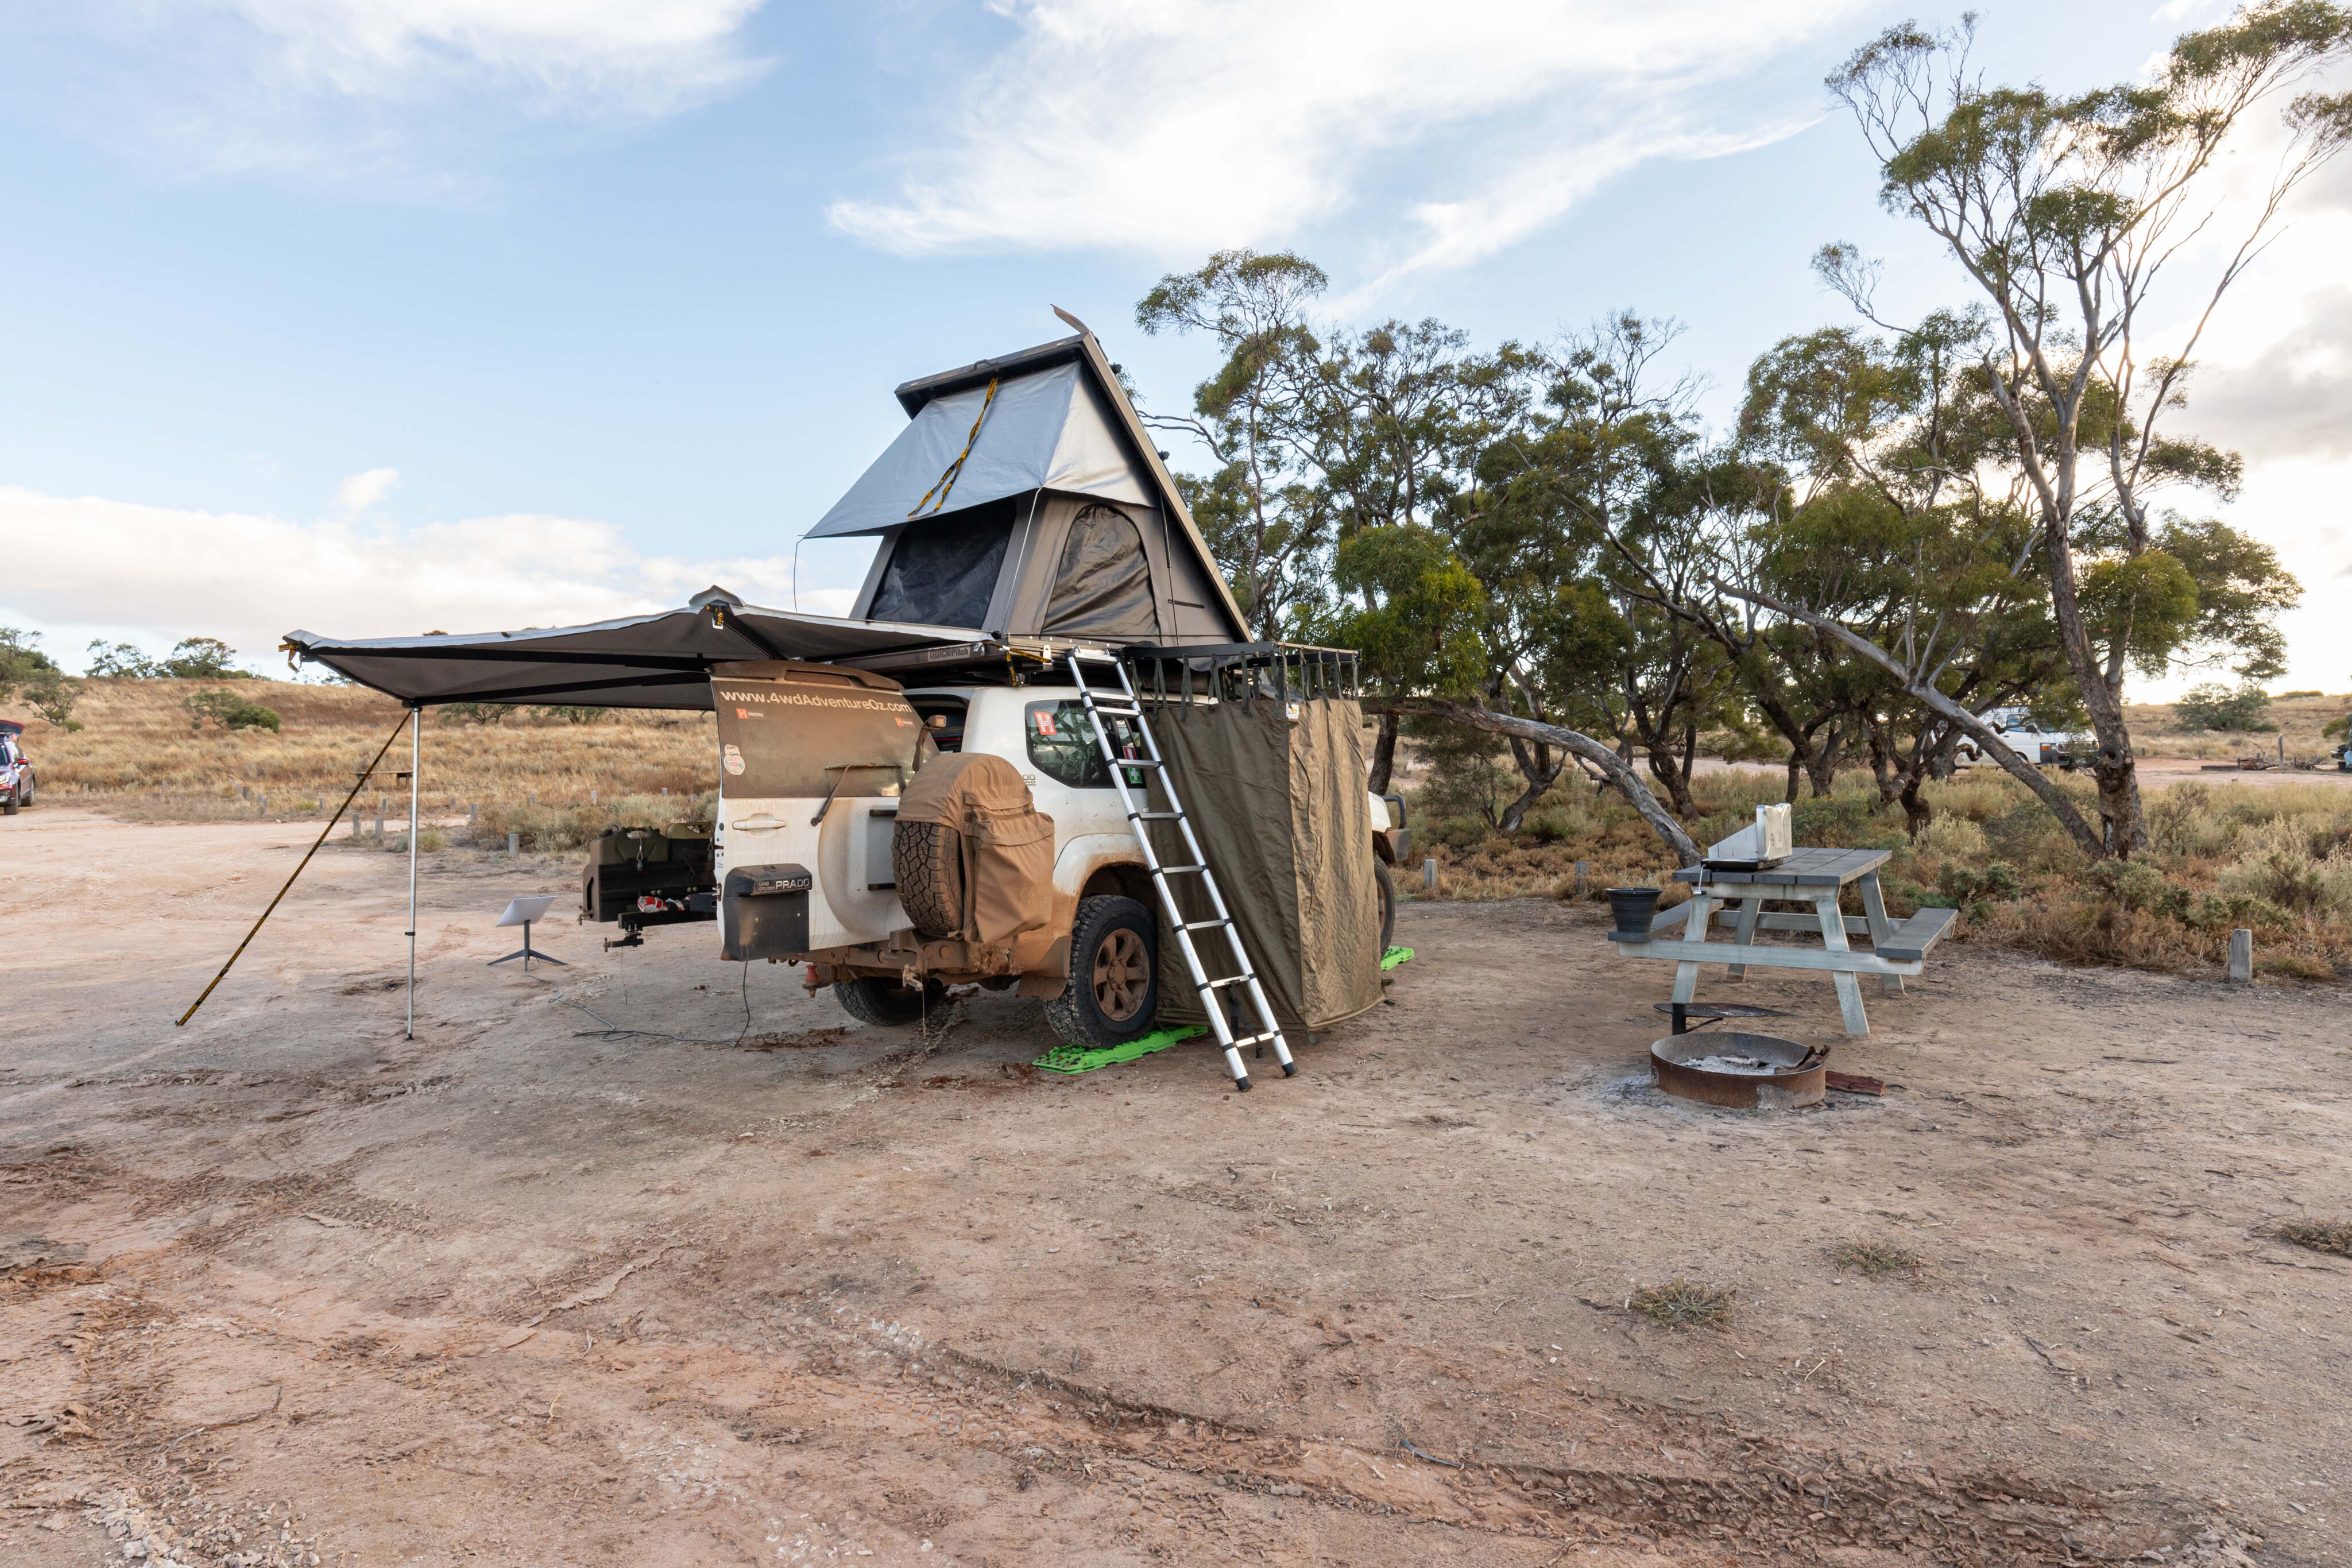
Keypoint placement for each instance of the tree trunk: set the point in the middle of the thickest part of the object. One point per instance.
(1797, 761)
(1628, 782)
(1915, 811)
(2113, 765)
(1384, 756)
(1536, 765)
(1882, 763)
(1822, 762)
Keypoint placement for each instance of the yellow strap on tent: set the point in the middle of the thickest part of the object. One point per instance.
(947, 479)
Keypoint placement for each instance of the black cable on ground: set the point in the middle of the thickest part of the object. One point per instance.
(615, 1031)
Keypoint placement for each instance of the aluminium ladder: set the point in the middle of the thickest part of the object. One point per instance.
(1124, 704)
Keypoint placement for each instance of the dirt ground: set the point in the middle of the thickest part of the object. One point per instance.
(285, 1287)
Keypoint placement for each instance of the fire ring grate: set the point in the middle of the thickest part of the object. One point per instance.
(1741, 1072)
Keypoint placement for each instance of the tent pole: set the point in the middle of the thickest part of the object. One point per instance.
(416, 758)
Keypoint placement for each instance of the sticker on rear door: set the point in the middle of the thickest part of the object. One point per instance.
(734, 760)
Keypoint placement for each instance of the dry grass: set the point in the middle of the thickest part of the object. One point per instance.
(2320, 1236)
(2275, 858)
(1683, 1303)
(1877, 1259)
(135, 757)
(2156, 731)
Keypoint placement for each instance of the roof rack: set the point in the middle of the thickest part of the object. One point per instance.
(1244, 672)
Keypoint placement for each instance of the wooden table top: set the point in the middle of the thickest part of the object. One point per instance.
(1804, 868)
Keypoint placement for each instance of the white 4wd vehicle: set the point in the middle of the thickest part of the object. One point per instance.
(2016, 726)
(1096, 964)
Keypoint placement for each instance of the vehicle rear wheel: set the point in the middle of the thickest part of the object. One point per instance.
(1387, 879)
(926, 862)
(1113, 995)
(878, 1000)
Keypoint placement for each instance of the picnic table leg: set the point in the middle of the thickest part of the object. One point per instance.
(1694, 930)
(1849, 985)
(1873, 905)
(1750, 911)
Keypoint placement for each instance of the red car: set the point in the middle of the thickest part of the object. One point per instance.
(15, 768)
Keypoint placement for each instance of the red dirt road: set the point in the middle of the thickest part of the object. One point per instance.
(284, 1287)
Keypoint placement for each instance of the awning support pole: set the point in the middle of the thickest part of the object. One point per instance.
(336, 816)
(415, 758)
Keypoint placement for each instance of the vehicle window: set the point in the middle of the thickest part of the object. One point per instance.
(1062, 745)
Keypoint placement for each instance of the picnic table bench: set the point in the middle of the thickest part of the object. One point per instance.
(1735, 899)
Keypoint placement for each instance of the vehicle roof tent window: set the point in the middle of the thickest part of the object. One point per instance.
(943, 572)
(1103, 585)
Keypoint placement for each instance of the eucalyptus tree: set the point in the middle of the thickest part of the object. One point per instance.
(1263, 509)
(1582, 529)
(2076, 219)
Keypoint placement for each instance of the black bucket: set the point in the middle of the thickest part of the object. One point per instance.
(1632, 907)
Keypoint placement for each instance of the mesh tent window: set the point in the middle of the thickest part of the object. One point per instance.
(944, 571)
(1104, 583)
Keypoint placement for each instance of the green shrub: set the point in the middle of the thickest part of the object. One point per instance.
(2135, 884)
(474, 713)
(1996, 883)
(27, 672)
(230, 711)
(2219, 707)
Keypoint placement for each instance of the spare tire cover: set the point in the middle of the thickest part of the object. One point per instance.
(1005, 843)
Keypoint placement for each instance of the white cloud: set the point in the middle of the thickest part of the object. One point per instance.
(84, 566)
(390, 97)
(364, 490)
(1174, 126)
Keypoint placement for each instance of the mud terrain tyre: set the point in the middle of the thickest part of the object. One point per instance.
(926, 862)
(879, 999)
(1113, 996)
(1387, 879)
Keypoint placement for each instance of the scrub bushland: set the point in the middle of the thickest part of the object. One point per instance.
(529, 770)
(2277, 858)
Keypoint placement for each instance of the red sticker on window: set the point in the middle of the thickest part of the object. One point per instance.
(1044, 724)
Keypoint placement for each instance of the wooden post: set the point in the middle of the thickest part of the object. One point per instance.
(2241, 956)
(1584, 868)
(514, 844)
(1429, 875)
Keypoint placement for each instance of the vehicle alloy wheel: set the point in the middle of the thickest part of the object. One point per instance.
(1122, 975)
(1113, 990)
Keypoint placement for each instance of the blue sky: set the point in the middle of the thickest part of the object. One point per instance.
(368, 316)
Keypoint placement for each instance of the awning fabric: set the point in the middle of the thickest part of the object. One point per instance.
(657, 661)
(1045, 430)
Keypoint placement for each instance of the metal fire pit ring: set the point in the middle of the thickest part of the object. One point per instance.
(1800, 1074)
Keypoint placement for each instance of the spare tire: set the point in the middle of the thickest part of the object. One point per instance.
(926, 862)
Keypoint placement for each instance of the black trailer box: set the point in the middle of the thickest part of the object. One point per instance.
(630, 863)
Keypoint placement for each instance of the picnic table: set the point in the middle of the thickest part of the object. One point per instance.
(1735, 899)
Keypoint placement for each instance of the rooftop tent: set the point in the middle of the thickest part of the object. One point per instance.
(1025, 497)
(1023, 502)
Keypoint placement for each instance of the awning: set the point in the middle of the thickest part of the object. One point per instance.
(658, 661)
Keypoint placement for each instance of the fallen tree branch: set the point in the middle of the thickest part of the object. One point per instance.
(1926, 693)
(1613, 767)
